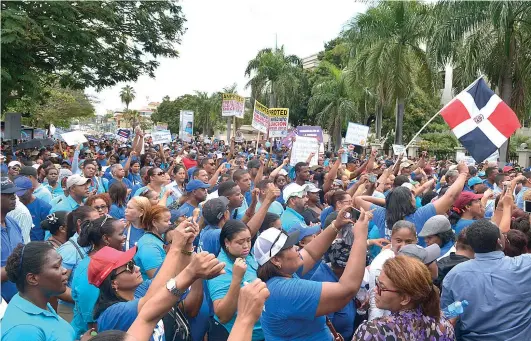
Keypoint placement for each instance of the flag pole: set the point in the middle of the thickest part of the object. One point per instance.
(438, 112)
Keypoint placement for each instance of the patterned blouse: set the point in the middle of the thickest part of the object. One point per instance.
(405, 325)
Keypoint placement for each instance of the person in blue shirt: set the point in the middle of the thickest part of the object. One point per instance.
(78, 189)
(97, 184)
(101, 159)
(118, 195)
(495, 286)
(491, 173)
(526, 186)
(275, 207)
(150, 255)
(52, 175)
(296, 308)
(136, 215)
(467, 208)
(196, 193)
(240, 268)
(156, 181)
(11, 233)
(38, 208)
(133, 172)
(215, 213)
(95, 235)
(39, 190)
(296, 200)
(243, 179)
(118, 175)
(29, 316)
(437, 230)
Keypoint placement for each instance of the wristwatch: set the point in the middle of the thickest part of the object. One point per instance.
(171, 285)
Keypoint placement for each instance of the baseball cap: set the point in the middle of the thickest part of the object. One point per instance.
(64, 173)
(54, 155)
(253, 164)
(465, 198)
(507, 169)
(270, 242)
(24, 184)
(316, 167)
(312, 188)
(196, 184)
(13, 164)
(426, 254)
(28, 171)
(214, 209)
(435, 225)
(67, 162)
(474, 181)
(76, 180)
(101, 152)
(7, 187)
(103, 262)
(293, 190)
(406, 163)
(304, 230)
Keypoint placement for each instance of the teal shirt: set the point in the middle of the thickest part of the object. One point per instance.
(56, 192)
(23, 320)
(219, 287)
(85, 296)
(150, 253)
(290, 218)
(275, 208)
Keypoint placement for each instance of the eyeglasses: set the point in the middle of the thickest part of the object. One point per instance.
(379, 288)
(160, 173)
(100, 208)
(130, 267)
(276, 240)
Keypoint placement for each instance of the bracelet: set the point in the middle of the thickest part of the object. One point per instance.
(188, 253)
(334, 226)
(368, 242)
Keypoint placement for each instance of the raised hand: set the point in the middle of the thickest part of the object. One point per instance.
(205, 265)
(252, 299)
(239, 268)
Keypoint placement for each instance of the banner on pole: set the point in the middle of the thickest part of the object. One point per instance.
(260, 117)
(357, 134)
(278, 122)
(186, 127)
(232, 105)
(302, 148)
(161, 136)
(399, 149)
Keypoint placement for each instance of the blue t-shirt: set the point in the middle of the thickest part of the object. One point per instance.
(150, 253)
(325, 214)
(291, 218)
(56, 192)
(132, 236)
(342, 320)
(23, 320)
(186, 210)
(125, 181)
(461, 224)
(68, 205)
(38, 210)
(72, 254)
(134, 178)
(289, 312)
(117, 212)
(11, 237)
(219, 287)
(85, 296)
(209, 239)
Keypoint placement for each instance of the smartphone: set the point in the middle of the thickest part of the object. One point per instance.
(372, 178)
(353, 214)
(527, 206)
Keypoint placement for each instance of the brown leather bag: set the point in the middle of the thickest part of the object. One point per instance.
(335, 334)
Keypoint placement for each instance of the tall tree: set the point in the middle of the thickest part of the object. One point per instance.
(127, 95)
(84, 43)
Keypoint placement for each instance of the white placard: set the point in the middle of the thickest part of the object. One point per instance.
(302, 148)
(469, 160)
(161, 136)
(494, 157)
(459, 156)
(399, 149)
(357, 134)
(74, 138)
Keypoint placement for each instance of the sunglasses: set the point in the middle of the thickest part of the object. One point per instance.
(100, 208)
(160, 173)
(129, 267)
(379, 288)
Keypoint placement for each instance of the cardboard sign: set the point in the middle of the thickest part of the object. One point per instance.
(74, 138)
(278, 122)
(260, 117)
(232, 105)
(302, 148)
(399, 149)
(161, 136)
(357, 134)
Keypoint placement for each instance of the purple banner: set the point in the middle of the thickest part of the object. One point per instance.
(311, 131)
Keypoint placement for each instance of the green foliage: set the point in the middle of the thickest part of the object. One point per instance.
(83, 43)
(168, 111)
(336, 52)
(127, 95)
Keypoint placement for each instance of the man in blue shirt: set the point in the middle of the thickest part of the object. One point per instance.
(11, 233)
(491, 173)
(197, 193)
(296, 201)
(38, 208)
(118, 175)
(78, 189)
(496, 287)
(215, 213)
(98, 185)
(520, 197)
(39, 190)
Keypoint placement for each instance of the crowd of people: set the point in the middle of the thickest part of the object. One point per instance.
(207, 240)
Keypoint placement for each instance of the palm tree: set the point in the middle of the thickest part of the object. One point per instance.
(127, 95)
(133, 117)
(492, 38)
(274, 75)
(331, 101)
(388, 54)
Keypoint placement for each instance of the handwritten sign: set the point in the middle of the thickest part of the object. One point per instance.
(278, 122)
(161, 136)
(74, 138)
(302, 148)
(357, 134)
(399, 149)
(232, 105)
(260, 117)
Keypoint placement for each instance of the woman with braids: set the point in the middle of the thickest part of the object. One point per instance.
(36, 270)
(56, 223)
(95, 235)
(405, 288)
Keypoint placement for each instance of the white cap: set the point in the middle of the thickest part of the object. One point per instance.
(35, 165)
(293, 190)
(13, 164)
(312, 188)
(76, 180)
(269, 244)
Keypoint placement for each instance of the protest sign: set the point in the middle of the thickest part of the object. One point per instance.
(469, 160)
(311, 131)
(186, 127)
(287, 140)
(161, 136)
(459, 156)
(302, 148)
(74, 138)
(238, 138)
(260, 117)
(123, 134)
(161, 126)
(232, 105)
(278, 122)
(39, 133)
(357, 134)
(399, 149)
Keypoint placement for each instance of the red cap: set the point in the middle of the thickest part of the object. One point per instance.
(507, 169)
(465, 198)
(105, 261)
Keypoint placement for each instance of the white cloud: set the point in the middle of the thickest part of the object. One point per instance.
(222, 36)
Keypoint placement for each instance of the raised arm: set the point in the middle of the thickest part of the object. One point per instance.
(507, 201)
(225, 308)
(446, 201)
(214, 179)
(128, 162)
(277, 170)
(419, 190)
(260, 173)
(332, 174)
(382, 180)
(255, 222)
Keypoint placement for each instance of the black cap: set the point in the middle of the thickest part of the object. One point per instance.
(214, 209)
(7, 187)
(28, 170)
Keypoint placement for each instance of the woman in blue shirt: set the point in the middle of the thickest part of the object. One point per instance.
(133, 172)
(118, 194)
(240, 268)
(104, 231)
(150, 255)
(296, 308)
(29, 316)
(136, 214)
(466, 209)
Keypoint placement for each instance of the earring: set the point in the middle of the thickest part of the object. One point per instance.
(279, 266)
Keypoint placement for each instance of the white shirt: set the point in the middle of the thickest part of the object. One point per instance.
(22, 216)
(374, 271)
(176, 191)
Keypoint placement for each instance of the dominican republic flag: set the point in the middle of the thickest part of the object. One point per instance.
(124, 133)
(480, 120)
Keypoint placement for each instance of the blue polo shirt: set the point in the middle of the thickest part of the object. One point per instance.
(461, 224)
(125, 181)
(209, 239)
(134, 178)
(68, 205)
(23, 320)
(219, 287)
(150, 253)
(43, 193)
(132, 236)
(11, 237)
(38, 209)
(57, 191)
(291, 218)
(117, 212)
(186, 210)
(85, 296)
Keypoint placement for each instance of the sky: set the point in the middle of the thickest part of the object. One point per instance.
(222, 36)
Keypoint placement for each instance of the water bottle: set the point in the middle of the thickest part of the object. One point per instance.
(344, 158)
(455, 309)
(361, 297)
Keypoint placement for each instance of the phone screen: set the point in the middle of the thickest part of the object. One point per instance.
(527, 206)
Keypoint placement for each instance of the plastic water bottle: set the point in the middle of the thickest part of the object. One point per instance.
(455, 309)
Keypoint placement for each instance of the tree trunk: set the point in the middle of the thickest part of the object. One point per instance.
(506, 96)
(379, 119)
(400, 107)
(338, 137)
(273, 97)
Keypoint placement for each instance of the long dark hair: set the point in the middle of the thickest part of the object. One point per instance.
(92, 231)
(118, 194)
(26, 259)
(81, 213)
(108, 296)
(398, 205)
(269, 270)
(229, 230)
